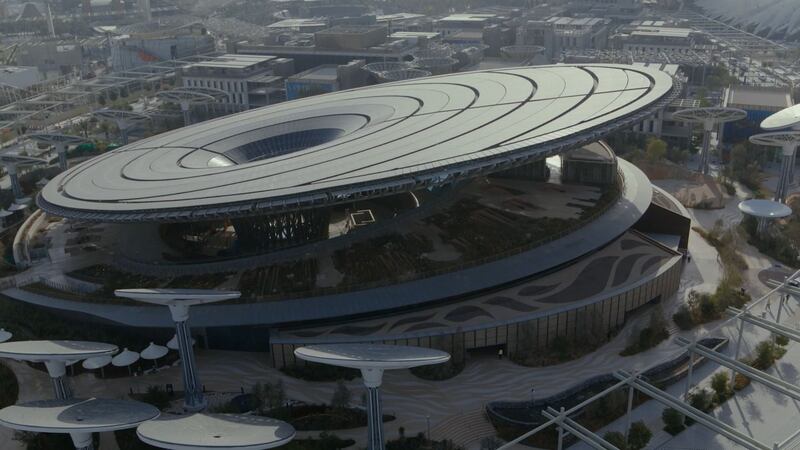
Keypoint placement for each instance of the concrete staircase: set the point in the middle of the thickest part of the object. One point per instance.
(463, 429)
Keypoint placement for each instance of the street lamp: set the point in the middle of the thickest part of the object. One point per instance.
(428, 419)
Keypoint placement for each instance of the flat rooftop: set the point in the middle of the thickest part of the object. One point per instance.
(231, 61)
(323, 73)
(752, 97)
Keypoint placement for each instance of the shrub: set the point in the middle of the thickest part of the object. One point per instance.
(127, 440)
(781, 340)
(616, 439)
(701, 400)
(740, 381)
(320, 372)
(765, 355)
(720, 384)
(683, 318)
(9, 388)
(325, 441)
(673, 421)
(156, 396)
(639, 436)
(649, 337)
(341, 396)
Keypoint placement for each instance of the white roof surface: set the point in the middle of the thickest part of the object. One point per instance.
(413, 133)
(216, 431)
(365, 356)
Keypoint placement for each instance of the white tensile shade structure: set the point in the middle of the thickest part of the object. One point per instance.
(96, 362)
(403, 74)
(124, 120)
(60, 142)
(12, 162)
(764, 210)
(173, 343)
(55, 355)
(5, 335)
(179, 301)
(215, 431)
(124, 359)
(709, 118)
(788, 142)
(77, 417)
(185, 97)
(372, 360)
(524, 53)
(154, 352)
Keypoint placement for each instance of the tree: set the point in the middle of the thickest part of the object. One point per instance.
(701, 400)
(277, 394)
(655, 150)
(341, 396)
(638, 436)
(720, 384)
(673, 420)
(616, 439)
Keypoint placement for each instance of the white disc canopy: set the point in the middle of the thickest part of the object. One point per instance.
(43, 351)
(709, 115)
(77, 415)
(785, 118)
(787, 139)
(216, 431)
(767, 209)
(372, 356)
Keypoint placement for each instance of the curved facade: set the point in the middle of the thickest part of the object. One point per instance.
(359, 143)
(577, 248)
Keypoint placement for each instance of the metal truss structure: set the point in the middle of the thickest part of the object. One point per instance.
(565, 424)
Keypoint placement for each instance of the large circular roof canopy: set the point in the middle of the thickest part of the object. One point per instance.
(785, 118)
(216, 431)
(358, 143)
(765, 208)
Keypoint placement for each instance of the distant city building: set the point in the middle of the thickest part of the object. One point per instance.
(20, 77)
(300, 25)
(648, 38)
(326, 78)
(251, 81)
(51, 55)
(405, 22)
(463, 22)
(337, 46)
(617, 9)
(759, 103)
(579, 33)
(135, 50)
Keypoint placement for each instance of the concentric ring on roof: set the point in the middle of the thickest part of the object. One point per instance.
(358, 143)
